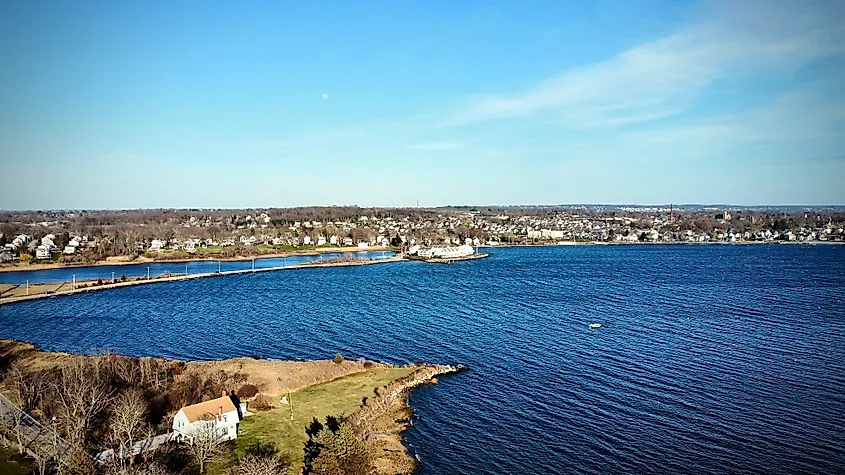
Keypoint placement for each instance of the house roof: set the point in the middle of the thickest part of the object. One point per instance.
(208, 409)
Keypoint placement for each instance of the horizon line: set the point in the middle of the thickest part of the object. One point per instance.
(447, 206)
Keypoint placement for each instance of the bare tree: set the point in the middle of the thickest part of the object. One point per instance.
(126, 368)
(257, 465)
(128, 419)
(140, 469)
(43, 462)
(24, 390)
(205, 444)
(80, 395)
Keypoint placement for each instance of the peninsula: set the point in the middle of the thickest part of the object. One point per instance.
(366, 400)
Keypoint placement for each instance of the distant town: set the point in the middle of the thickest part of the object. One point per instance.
(78, 237)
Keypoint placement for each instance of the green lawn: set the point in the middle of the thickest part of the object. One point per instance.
(338, 397)
(13, 464)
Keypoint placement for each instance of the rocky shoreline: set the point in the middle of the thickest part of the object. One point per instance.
(384, 417)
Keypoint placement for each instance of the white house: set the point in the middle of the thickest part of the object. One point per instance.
(156, 245)
(42, 252)
(220, 413)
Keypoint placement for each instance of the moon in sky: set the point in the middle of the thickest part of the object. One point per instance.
(325, 96)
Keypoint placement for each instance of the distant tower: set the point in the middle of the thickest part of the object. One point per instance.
(671, 213)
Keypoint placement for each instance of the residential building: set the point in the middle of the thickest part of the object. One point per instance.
(219, 414)
(43, 252)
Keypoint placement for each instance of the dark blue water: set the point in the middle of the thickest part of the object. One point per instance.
(66, 274)
(711, 359)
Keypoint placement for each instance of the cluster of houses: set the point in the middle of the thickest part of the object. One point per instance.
(42, 249)
(574, 227)
(448, 228)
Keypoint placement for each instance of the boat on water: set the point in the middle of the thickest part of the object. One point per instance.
(593, 326)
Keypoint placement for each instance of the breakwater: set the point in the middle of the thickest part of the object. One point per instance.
(181, 277)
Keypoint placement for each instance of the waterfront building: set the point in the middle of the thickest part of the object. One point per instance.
(219, 415)
(445, 252)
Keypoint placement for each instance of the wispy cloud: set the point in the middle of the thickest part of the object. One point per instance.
(435, 146)
(801, 115)
(664, 78)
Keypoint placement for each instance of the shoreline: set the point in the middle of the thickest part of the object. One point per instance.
(385, 418)
(121, 260)
(379, 422)
(672, 243)
(181, 277)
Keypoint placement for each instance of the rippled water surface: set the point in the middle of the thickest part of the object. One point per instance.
(710, 359)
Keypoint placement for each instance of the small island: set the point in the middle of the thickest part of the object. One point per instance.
(119, 414)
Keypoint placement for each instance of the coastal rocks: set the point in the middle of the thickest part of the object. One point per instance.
(384, 417)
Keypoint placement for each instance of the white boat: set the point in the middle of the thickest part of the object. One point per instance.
(593, 326)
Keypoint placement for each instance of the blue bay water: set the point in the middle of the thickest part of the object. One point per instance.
(710, 359)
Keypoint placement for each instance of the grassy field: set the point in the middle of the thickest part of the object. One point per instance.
(13, 464)
(338, 397)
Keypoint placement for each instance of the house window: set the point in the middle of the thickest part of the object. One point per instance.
(224, 418)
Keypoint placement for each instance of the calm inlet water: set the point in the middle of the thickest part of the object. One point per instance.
(710, 359)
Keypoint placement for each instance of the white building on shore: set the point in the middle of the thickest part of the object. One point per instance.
(218, 415)
(445, 252)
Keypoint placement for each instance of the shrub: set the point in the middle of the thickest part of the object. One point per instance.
(368, 364)
(261, 403)
(247, 391)
(338, 359)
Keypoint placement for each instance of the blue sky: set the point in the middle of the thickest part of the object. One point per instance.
(214, 104)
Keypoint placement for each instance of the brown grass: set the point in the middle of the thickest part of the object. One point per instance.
(275, 378)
